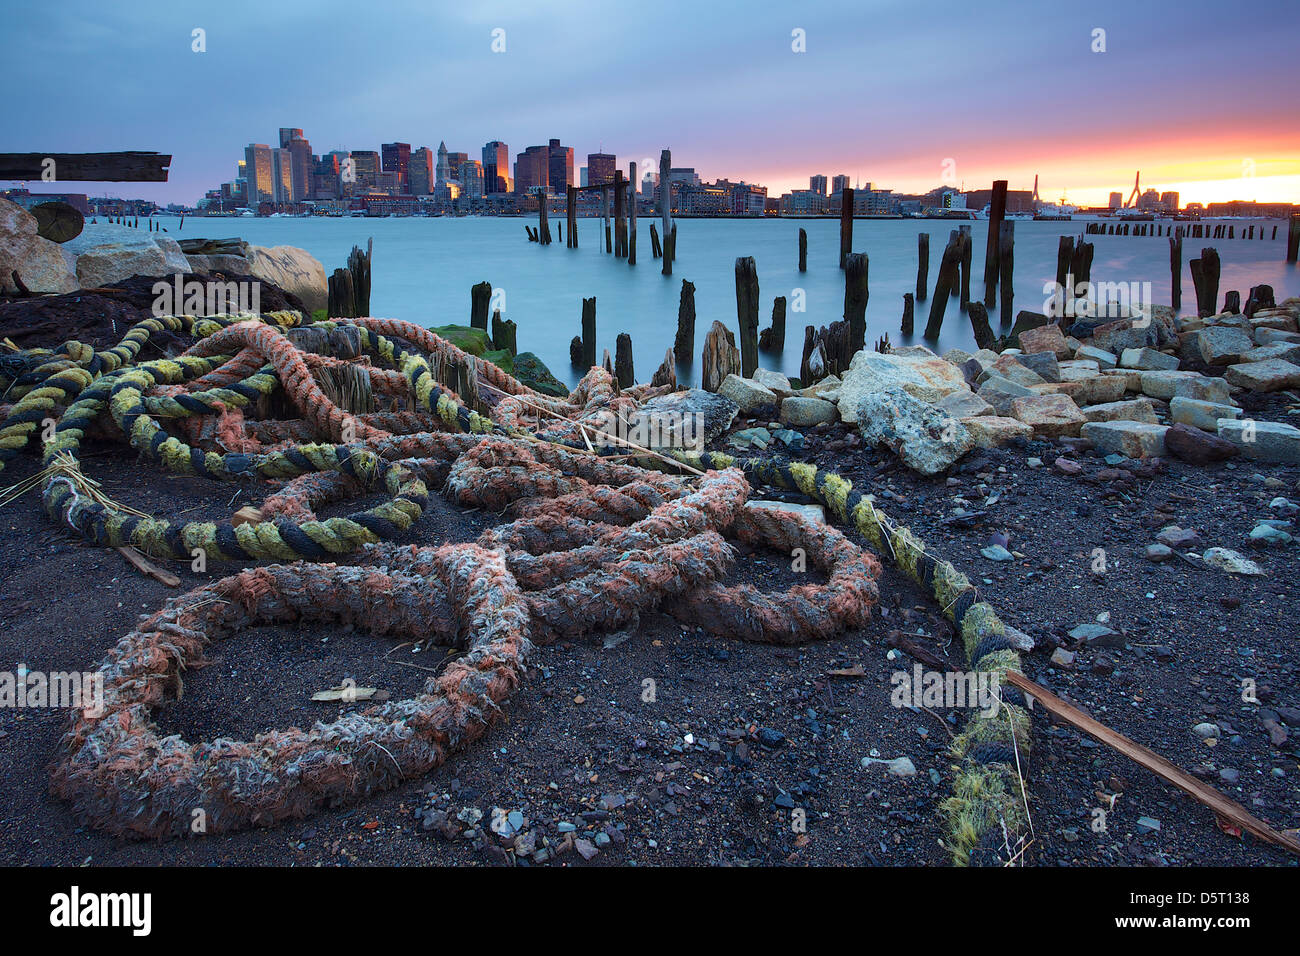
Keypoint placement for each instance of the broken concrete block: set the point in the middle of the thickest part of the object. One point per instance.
(1127, 438)
(1050, 416)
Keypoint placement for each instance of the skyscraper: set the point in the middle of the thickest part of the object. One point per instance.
(817, 184)
(365, 169)
(1116, 200)
(840, 183)
(444, 175)
(454, 162)
(496, 167)
(532, 169)
(600, 168)
(300, 163)
(281, 176)
(471, 178)
(559, 166)
(259, 174)
(421, 172)
(397, 159)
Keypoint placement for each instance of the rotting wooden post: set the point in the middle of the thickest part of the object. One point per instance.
(855, 298)
(359, 265)
(1232, 302)
(1210, 277)
(772, 339)
(803, 250)
(623, 359)
(665, 206)
(571, 215)
(1081, 262)
(908, 310)
(966, 256)
(997, 213)
(631, 215)
(666, 373)
(1292, 237)
(604, 218)
(684, 344)
(846, 224)
(1064, 285)
(747, 313)
(480, 297)
(1176, 269)
(589, 332)
(620, 224)
(342, 297)
(943, 285)
(575, 350)
(809, 343)
(543, 226)
(504, 333)
(656, 250)
(672, 243)
(922, 265)
(467, 382)
(979, 323)
(1006, 268)
(1198, 284)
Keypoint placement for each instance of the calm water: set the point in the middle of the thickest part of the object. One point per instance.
(423, 270)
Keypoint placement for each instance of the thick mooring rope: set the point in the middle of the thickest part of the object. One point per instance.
(591, 543)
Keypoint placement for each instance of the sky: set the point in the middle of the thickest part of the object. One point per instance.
(1198, 95)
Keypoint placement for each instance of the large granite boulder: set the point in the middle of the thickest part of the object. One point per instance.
(927, 440)
(39, 263)
(918, 372)
(140, 255)
(292, 269)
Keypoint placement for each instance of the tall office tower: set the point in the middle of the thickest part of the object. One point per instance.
(1116, 200)
(532, 169)
(559, 166)
(444, 175)
(259, 174)
(471, 178)
(397, 159)
(840, 183)
(421, 172)
(282, 176)
(496, 167)
(454, 162)
(600, 168)
(817, 184)
(301, 164)
(1170, 201)
(365, 169)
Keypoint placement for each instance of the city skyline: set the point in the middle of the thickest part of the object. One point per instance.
(731, 96)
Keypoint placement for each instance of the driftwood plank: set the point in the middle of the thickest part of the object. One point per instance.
(128, 167)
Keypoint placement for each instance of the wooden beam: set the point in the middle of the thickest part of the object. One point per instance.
(125, 167)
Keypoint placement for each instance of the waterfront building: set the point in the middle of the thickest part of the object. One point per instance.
(496, 167)
(397, 159)
(1170, 201)
(300, 163)
(471, 179)
(1116, 200)
(600, 168)
(444, 166)
(365, 170)
(803, 202)
(454, 161)
(840, 183)
(817, 184)
(559, 167)
(259, 173)
(420, 172)
(532, 170)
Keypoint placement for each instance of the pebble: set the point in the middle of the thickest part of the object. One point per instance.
(995, 552)
(1148, 825)
(1206, 730)
(1159, 552)
(1228, 775)
(1062, 658)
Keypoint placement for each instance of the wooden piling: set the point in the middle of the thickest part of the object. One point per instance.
(623, 359)
(631, 218)
(1292, 237)
(684, 344)
(480, 297)
(571, 215)
(604, 218)
(620, 224)
(803, 250)
(665, 207)
(846, 224)
(966, 256)
(656, 250)
(589, 332)
(908, 310)
(747, 313)
(997, 213)
(855, 298)
(1006, 269)
(1176, 269)
(543, 225)
(944, 284)
(922, 265)
(979, 323)
(1210, 280)
(1232, 302)
(504, 333)
(1064, 255)
(772, 338)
